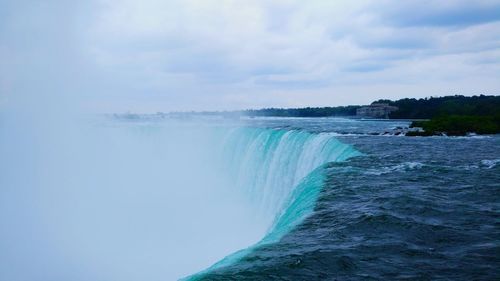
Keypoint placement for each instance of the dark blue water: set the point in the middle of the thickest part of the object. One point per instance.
(409, 208)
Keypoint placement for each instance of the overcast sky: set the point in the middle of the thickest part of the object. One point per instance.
(161, 55)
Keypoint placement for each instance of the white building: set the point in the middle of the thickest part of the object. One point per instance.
(376, 110)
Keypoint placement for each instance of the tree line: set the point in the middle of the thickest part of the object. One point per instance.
(408, 108)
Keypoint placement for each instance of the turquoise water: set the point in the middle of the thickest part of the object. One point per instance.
(407, 209)
(282, 172)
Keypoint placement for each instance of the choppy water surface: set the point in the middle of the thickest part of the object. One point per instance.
(409, 208)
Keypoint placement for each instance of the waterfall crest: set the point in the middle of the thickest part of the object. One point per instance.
(282, 173)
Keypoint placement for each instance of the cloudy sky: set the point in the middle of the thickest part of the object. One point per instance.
(161, 55)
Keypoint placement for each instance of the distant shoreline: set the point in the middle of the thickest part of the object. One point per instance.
(451, 115)
(408, 108)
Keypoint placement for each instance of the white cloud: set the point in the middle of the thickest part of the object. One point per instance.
(174, 55)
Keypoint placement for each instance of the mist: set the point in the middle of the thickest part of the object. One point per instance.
(98, 199)
(84, 196)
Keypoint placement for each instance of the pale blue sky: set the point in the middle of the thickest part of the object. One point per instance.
(153, 55)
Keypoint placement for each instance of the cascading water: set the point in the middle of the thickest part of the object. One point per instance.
(267, 164)
(149, 200)
(282, 173)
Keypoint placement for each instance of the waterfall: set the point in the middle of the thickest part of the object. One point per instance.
(281, 172)
(134, 200)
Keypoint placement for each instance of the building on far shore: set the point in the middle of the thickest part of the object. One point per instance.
(376, 110)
